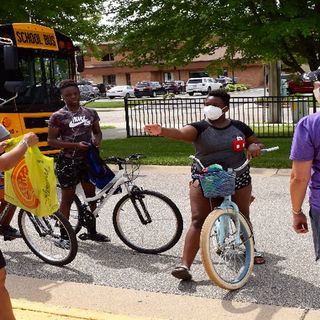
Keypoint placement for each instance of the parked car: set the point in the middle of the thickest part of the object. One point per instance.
(201, 85)
(87, 92)
(148, 88)
(125, 91)
(172, 86)
(303, 86)
(225, 80)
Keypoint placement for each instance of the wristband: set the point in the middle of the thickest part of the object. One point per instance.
(23, 141)
(296, 212)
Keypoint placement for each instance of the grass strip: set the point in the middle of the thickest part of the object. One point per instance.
(162, 151)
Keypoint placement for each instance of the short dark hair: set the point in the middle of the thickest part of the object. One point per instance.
(222, 94)
(67, 83)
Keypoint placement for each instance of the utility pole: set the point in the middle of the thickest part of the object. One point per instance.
(274, 110)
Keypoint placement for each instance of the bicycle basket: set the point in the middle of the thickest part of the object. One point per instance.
(217, 183)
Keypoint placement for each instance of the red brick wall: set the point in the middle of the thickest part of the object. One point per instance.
(251, 74)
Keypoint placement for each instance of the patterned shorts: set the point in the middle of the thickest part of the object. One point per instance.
(243, 180)
(71, 171)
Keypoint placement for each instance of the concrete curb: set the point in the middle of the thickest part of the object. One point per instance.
(26, 310)
(45, 299)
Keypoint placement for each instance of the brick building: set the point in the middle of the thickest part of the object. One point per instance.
(108, 71)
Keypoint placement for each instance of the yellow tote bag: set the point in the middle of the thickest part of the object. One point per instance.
(32, 184)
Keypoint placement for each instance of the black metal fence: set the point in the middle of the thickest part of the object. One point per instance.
(267, 116)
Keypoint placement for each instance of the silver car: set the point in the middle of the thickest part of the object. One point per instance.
(125, 91)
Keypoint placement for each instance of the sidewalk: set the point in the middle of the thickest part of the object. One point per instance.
(35, 299)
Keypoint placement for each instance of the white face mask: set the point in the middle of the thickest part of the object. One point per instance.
(213, 112)
(316, 93)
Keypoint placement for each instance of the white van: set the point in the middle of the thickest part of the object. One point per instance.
(201, 85)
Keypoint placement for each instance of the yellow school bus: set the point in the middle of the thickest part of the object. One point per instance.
(33, 61)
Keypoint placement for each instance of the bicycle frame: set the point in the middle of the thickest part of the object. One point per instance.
(121, 178)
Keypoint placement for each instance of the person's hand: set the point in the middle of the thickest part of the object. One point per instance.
(153, 129)
(299, 223)
(253, 151)
(96, 143)
(316, 85)
(31, 139)
(83, 145)
(3, 145)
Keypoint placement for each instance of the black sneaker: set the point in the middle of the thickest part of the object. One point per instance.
(98, 237)
(9, 233)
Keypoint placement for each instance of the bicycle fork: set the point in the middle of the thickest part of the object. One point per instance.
(136, 198)
(223, 223)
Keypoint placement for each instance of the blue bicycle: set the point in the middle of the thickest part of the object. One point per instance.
(226, 241)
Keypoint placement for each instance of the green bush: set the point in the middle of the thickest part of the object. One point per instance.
(236, 87)
(230, 87)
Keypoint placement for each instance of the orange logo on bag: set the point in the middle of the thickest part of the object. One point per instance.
(22, 186)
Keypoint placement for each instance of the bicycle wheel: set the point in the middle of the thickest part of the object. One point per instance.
(147, 221)
(227, 256)
(51, 238)
(74, 212)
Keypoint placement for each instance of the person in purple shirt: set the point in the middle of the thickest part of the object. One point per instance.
(305, 156)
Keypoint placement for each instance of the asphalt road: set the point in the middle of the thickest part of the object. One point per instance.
(289, 278)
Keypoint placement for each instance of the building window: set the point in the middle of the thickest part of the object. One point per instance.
(168, 76)
(198, 74)
(108, 57)
(109, 79)
(128, 78)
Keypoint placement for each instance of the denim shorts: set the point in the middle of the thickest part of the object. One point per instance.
(314, 214)
(71, 171)
(2, 261)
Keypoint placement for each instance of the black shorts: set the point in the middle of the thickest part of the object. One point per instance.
(2, 261)
(71, 171)
(244, 179)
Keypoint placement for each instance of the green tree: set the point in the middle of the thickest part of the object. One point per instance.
(79, 19)
(174, 32)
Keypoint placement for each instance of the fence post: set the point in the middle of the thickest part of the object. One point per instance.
(314, 104)
(126, 109)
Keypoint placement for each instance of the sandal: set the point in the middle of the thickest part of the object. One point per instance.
(182, 273)
(258, 258)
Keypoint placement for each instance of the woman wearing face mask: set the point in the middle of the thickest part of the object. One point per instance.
(216, 140)
(305, 173)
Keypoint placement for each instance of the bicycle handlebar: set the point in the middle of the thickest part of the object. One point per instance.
(118, 160)
(265, 150)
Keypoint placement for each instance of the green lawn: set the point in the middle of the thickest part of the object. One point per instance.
(161, 151)
(105, 104)
(272, 129)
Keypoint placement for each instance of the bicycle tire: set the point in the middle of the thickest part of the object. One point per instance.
(214, 258)
(164, 216)
(43, 236)
(74, 214)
